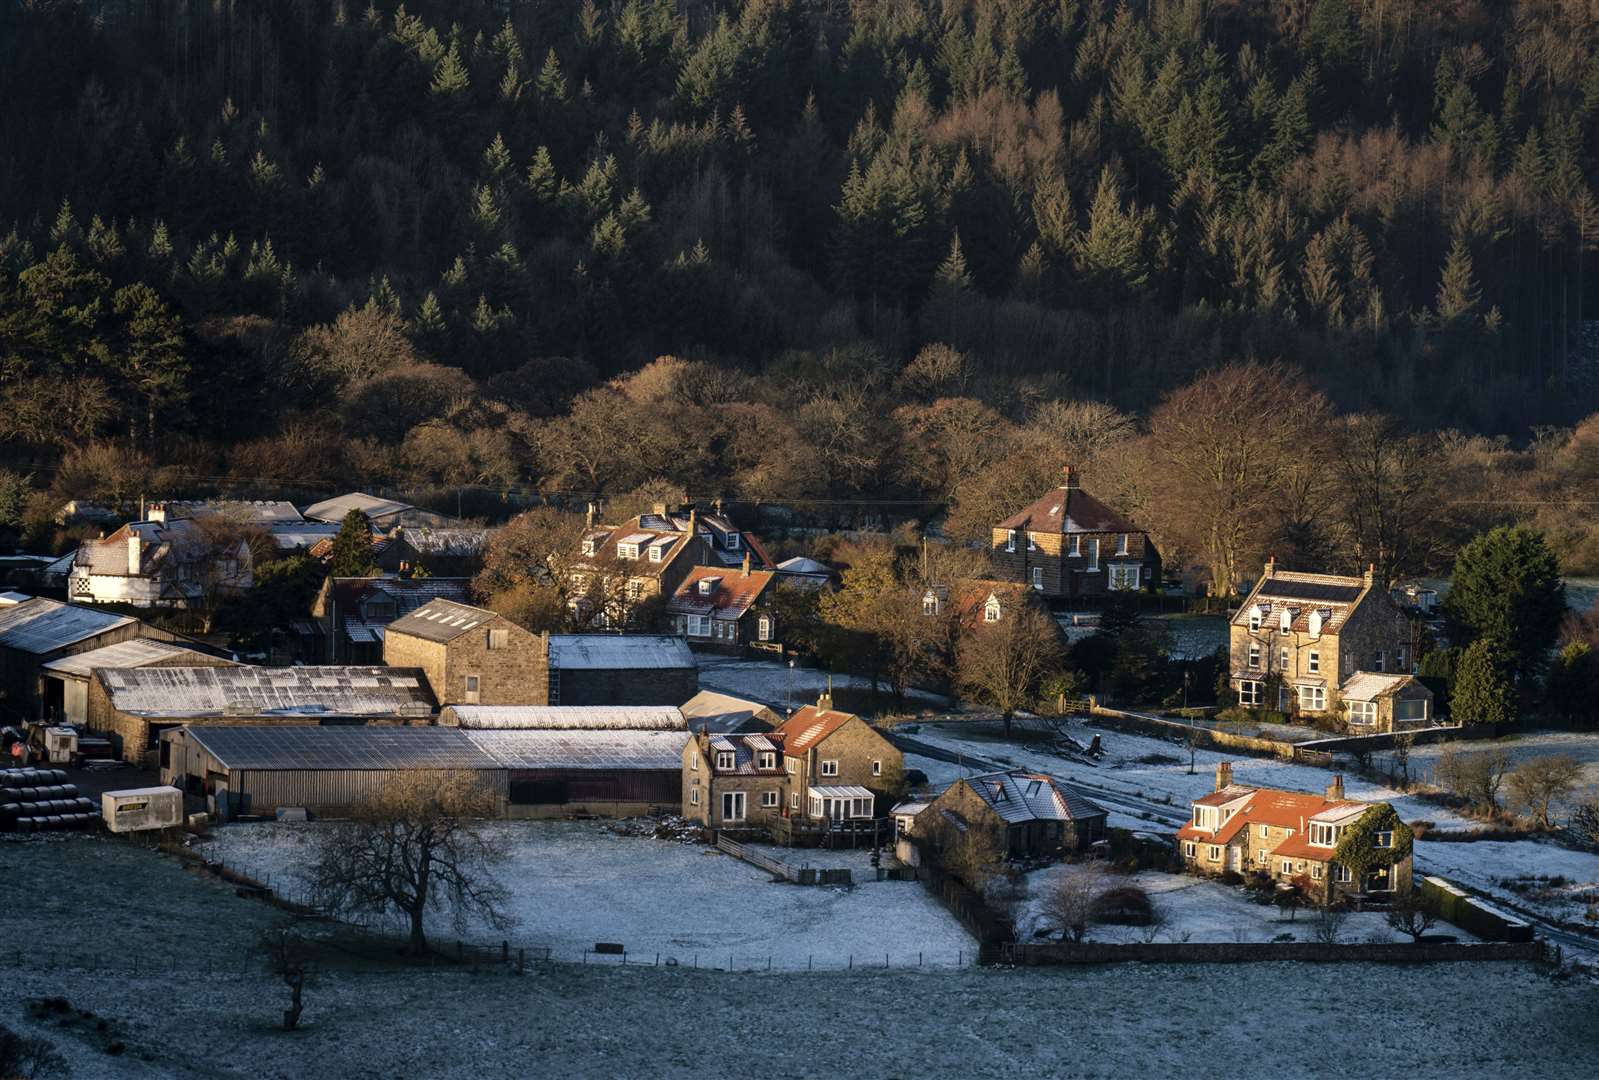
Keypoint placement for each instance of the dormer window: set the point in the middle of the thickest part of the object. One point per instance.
(627, 551)
(588, 545)
(991, 610)
(708, 585)
(1255, 615)
(657, 552)
(732, 541)
(768, 759)
(1315, 624)
(1285, 621)
(929, 604)
(724, 759)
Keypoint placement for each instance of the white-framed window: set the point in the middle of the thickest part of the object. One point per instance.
(1322, 834)
(627, 551)
(816, 806)
(1410, 709)
(1010, 540)
(991, 610)
(1093, 553)
(708, 585)
(1362, 713)
(471, 687)
(1038, 577)
(828, 768)
(768, 759)
(1382, 840)
(732, 806)
(693, 796)
(1215, 853)
(1265, 832)
(588, 545)
(1315, 871)
(1399, 661)
(1287, 867)
(1378, 661)
(1121, 544)
(1261, 856)
(694, 760)
(657, 552)
(763, 628)
(860, 808)
(771, 799)
(1282, 658)
(1032, 542)
(1285, 621)
(732, 541)
(699, 626)
(1124, 577)
(1340, 873)
(635, 588)
(724, 759)
(792, 764)
(1249, 692)
(929, 604)
(1313, 698)
(1255, 617)
(1077, 547)
(877, 768)
(793, 800)
(1254, 656)
(1188, 848)
(1313, 662)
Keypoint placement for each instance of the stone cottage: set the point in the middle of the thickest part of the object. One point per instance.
(734, 781)
(1013, 812)
(1069, 545)
(839, 767)
(472, 656)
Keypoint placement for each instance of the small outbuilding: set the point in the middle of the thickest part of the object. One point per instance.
(1375, 702)
(1016, 813)
(142, 809)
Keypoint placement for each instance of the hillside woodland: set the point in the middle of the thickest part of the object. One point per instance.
(817, 251)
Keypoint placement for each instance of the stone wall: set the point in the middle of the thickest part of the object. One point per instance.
(517, 673)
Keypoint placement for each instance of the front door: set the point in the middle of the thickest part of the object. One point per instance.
(732, 806)
(1235, 858)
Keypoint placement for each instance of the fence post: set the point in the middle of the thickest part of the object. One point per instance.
(852, 961)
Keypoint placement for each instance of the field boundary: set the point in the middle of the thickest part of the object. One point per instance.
(1231, 952)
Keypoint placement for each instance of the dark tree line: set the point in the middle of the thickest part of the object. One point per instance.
(430, 227)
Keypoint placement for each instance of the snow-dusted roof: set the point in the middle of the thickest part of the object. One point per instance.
(582, 749)
(799, 564)
(613, 652)
(296, 535)
(566, 717)
(8, 598)
(458, 543)
(1017, 796)
(254, 511)
(335, 508)
(124, 654)
(441, 620)
(296, 747)
(1371, 685)
(256, 691)
(41, 625)
(711, 711)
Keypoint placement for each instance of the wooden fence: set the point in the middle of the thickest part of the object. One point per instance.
(799, 875)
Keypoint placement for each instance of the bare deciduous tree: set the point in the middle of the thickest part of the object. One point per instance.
(1001, 664)
(418, 846)
(1070, 896)
(1585, 822)
(1474, 775)
(1327, 925)
(287, 957)
(1537, 783)
(968, 854)
(1408, 915)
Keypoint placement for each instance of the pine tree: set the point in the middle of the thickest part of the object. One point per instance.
(497, 159)
(551, 83)
(1482, 692)
(1458, 295)
(450, 78)
(1110, 253)
(541, 178)
(352, 548)
(1506, 586)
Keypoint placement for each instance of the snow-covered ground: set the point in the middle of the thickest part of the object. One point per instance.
(1196, 909)
(1145, 784)
(774, 683)
(574, 884)
(1584, 746)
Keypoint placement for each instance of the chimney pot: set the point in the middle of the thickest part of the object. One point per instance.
(1271, 565)
(1224, 774)
(1335, 789)
(746, 572)
(1069, 476)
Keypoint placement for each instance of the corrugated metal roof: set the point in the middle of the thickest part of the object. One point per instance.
(566, 717)
(300, 746)
(459, 543)
(124, 654)
(41, 625)
(661, 750)
(613, 652)
(441, 620)
(335, 508)
(711, 711)
(217, 691)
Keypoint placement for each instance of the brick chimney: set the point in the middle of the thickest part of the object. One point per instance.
(1271, 565)
(660, 509)
(824, 700)
(1224, 774)
(746, 570)
(1371, 574)
(588, 518)
(1068, 476)
(1335, 790)
(135, 546)
(157, 512)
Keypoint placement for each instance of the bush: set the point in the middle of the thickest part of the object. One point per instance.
(1124, 905)
(1231, 877)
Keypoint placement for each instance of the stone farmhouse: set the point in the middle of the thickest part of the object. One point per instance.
(1013, 812)
(1332, 848)
(725, 610)
(1068, 545)
(1299, 641)
(162, 562)
(839, 767)
(473, 656)
(735, 781)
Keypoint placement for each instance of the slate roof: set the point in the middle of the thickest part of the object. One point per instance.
(565, 717)
(272, 747)
(600, 750)
(732, 594)
(258, 691)
(41, 625)
(1333, 595)
(1017, 795)
(744, 749)
(407, 594)
(301, 535)
(253, 511)
(1311, 588)
(136, 652)
(802, 566)
(441, 620)
(619, 652)
(160, 541)
(372, 506)
(1068, 510)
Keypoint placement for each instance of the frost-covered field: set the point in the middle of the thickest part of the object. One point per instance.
(576, 883)
(1200, 910)
(1584, 746)
(114, 902)
(775, 683)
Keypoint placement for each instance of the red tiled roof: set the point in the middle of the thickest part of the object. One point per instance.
(1265, 806)
(755, 544)
(1298, 846)
(734, 593)
(809, 726)
(1067, 510)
